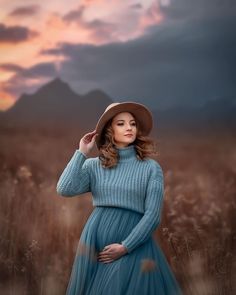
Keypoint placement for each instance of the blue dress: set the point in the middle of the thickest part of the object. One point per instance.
(142, 271)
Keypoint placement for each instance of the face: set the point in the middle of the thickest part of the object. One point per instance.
(122, 125)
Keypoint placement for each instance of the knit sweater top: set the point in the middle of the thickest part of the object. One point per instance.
(133, 184)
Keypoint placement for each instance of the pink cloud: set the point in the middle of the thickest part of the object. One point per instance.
(15, 34)
(152, 16)
(25, 11)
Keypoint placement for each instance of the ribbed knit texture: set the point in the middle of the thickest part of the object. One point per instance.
(132, 183)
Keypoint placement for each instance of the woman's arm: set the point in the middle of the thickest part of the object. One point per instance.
(152, 215)
(75, 179)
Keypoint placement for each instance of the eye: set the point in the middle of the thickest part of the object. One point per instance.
(120, 124)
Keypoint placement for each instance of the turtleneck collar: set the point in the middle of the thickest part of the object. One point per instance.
(126, 153)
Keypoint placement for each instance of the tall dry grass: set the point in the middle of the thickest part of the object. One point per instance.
(40, 230)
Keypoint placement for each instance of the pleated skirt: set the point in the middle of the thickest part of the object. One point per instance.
(144, 271)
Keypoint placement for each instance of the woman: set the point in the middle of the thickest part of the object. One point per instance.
(116, 253)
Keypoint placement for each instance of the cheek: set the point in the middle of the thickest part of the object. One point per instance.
(117, 132)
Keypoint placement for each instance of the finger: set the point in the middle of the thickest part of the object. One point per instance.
(102, 252)
(103, 255)
(94, 137)
(105, 251)
(90, 133)
(91, 137)
(106, 260)
(105, 248)
(88, 136)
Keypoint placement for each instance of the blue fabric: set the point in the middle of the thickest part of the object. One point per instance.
(133, 183)
(144, 271)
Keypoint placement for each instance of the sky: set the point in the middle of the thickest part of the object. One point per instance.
(165, 52)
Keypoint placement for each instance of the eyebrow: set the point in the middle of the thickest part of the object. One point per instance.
(124, 120)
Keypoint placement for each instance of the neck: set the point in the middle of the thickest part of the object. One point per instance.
(126, 153)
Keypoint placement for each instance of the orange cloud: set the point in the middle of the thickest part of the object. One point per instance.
(94, 22)
(153, 16)
(56, 30)
(6, 100)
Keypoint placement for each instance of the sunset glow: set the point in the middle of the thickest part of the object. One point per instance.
(29, 30)
(6, 101)
(176, 50)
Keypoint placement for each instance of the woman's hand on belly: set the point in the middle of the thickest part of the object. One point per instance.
(111, 252)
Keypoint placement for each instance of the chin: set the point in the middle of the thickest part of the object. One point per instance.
(126, 141)
(129, 141)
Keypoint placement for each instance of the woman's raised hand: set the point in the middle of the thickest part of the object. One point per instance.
(87, 142)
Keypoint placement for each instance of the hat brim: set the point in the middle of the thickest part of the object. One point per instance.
(141, 113)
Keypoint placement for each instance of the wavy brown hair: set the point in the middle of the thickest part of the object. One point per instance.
(109, 156)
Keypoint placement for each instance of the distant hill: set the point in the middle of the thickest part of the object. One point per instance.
(56, 106)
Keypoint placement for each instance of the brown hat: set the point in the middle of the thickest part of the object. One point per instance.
(141, 113)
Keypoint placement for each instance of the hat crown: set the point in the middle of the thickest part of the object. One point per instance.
(111, 105)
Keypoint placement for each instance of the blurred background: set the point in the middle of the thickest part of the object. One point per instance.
(62, 63)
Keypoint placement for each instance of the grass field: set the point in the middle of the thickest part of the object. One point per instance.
(40, 230)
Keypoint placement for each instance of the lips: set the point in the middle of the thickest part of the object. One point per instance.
(128, 134)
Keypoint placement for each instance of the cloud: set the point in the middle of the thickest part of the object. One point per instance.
(29, 78)
(185, 64)
(189, 9)
(185, 60)
(74, 15)
(23, 11)
(9, 67)
(99, 30)
(90, 3)
(15, 34)
(151, 16)
(6, 100)
(135, 6)
(121, 22)
(41, 70)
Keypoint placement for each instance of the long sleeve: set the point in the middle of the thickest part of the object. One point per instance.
(75, 178)
(152, 214)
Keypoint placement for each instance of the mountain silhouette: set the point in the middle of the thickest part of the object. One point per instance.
(56, 105)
